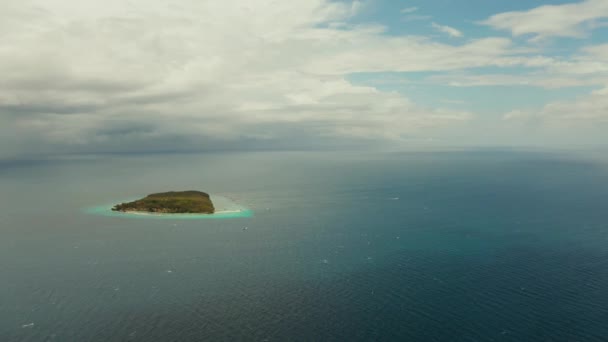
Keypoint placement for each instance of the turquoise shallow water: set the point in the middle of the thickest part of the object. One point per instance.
(459, 246)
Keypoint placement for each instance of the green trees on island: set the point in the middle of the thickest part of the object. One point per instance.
(173, 202)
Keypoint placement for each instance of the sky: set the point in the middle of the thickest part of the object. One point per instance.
(188, 75)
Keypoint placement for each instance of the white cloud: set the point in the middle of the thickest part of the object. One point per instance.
(408, 14)
(539, 79)
(590, 110)
(409, 10)
(189, 74)
(567, 20)
(517, 114)
(91, 76)
(450, 31)
(579, 122)
(586, 67)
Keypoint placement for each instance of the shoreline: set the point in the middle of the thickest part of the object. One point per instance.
(229, 210)
(133, 212)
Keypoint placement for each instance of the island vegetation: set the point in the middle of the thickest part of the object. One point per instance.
(173, 202)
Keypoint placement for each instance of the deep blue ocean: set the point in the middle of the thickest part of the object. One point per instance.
(441, 246)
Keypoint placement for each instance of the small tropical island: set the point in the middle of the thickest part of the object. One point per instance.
(172, 202)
